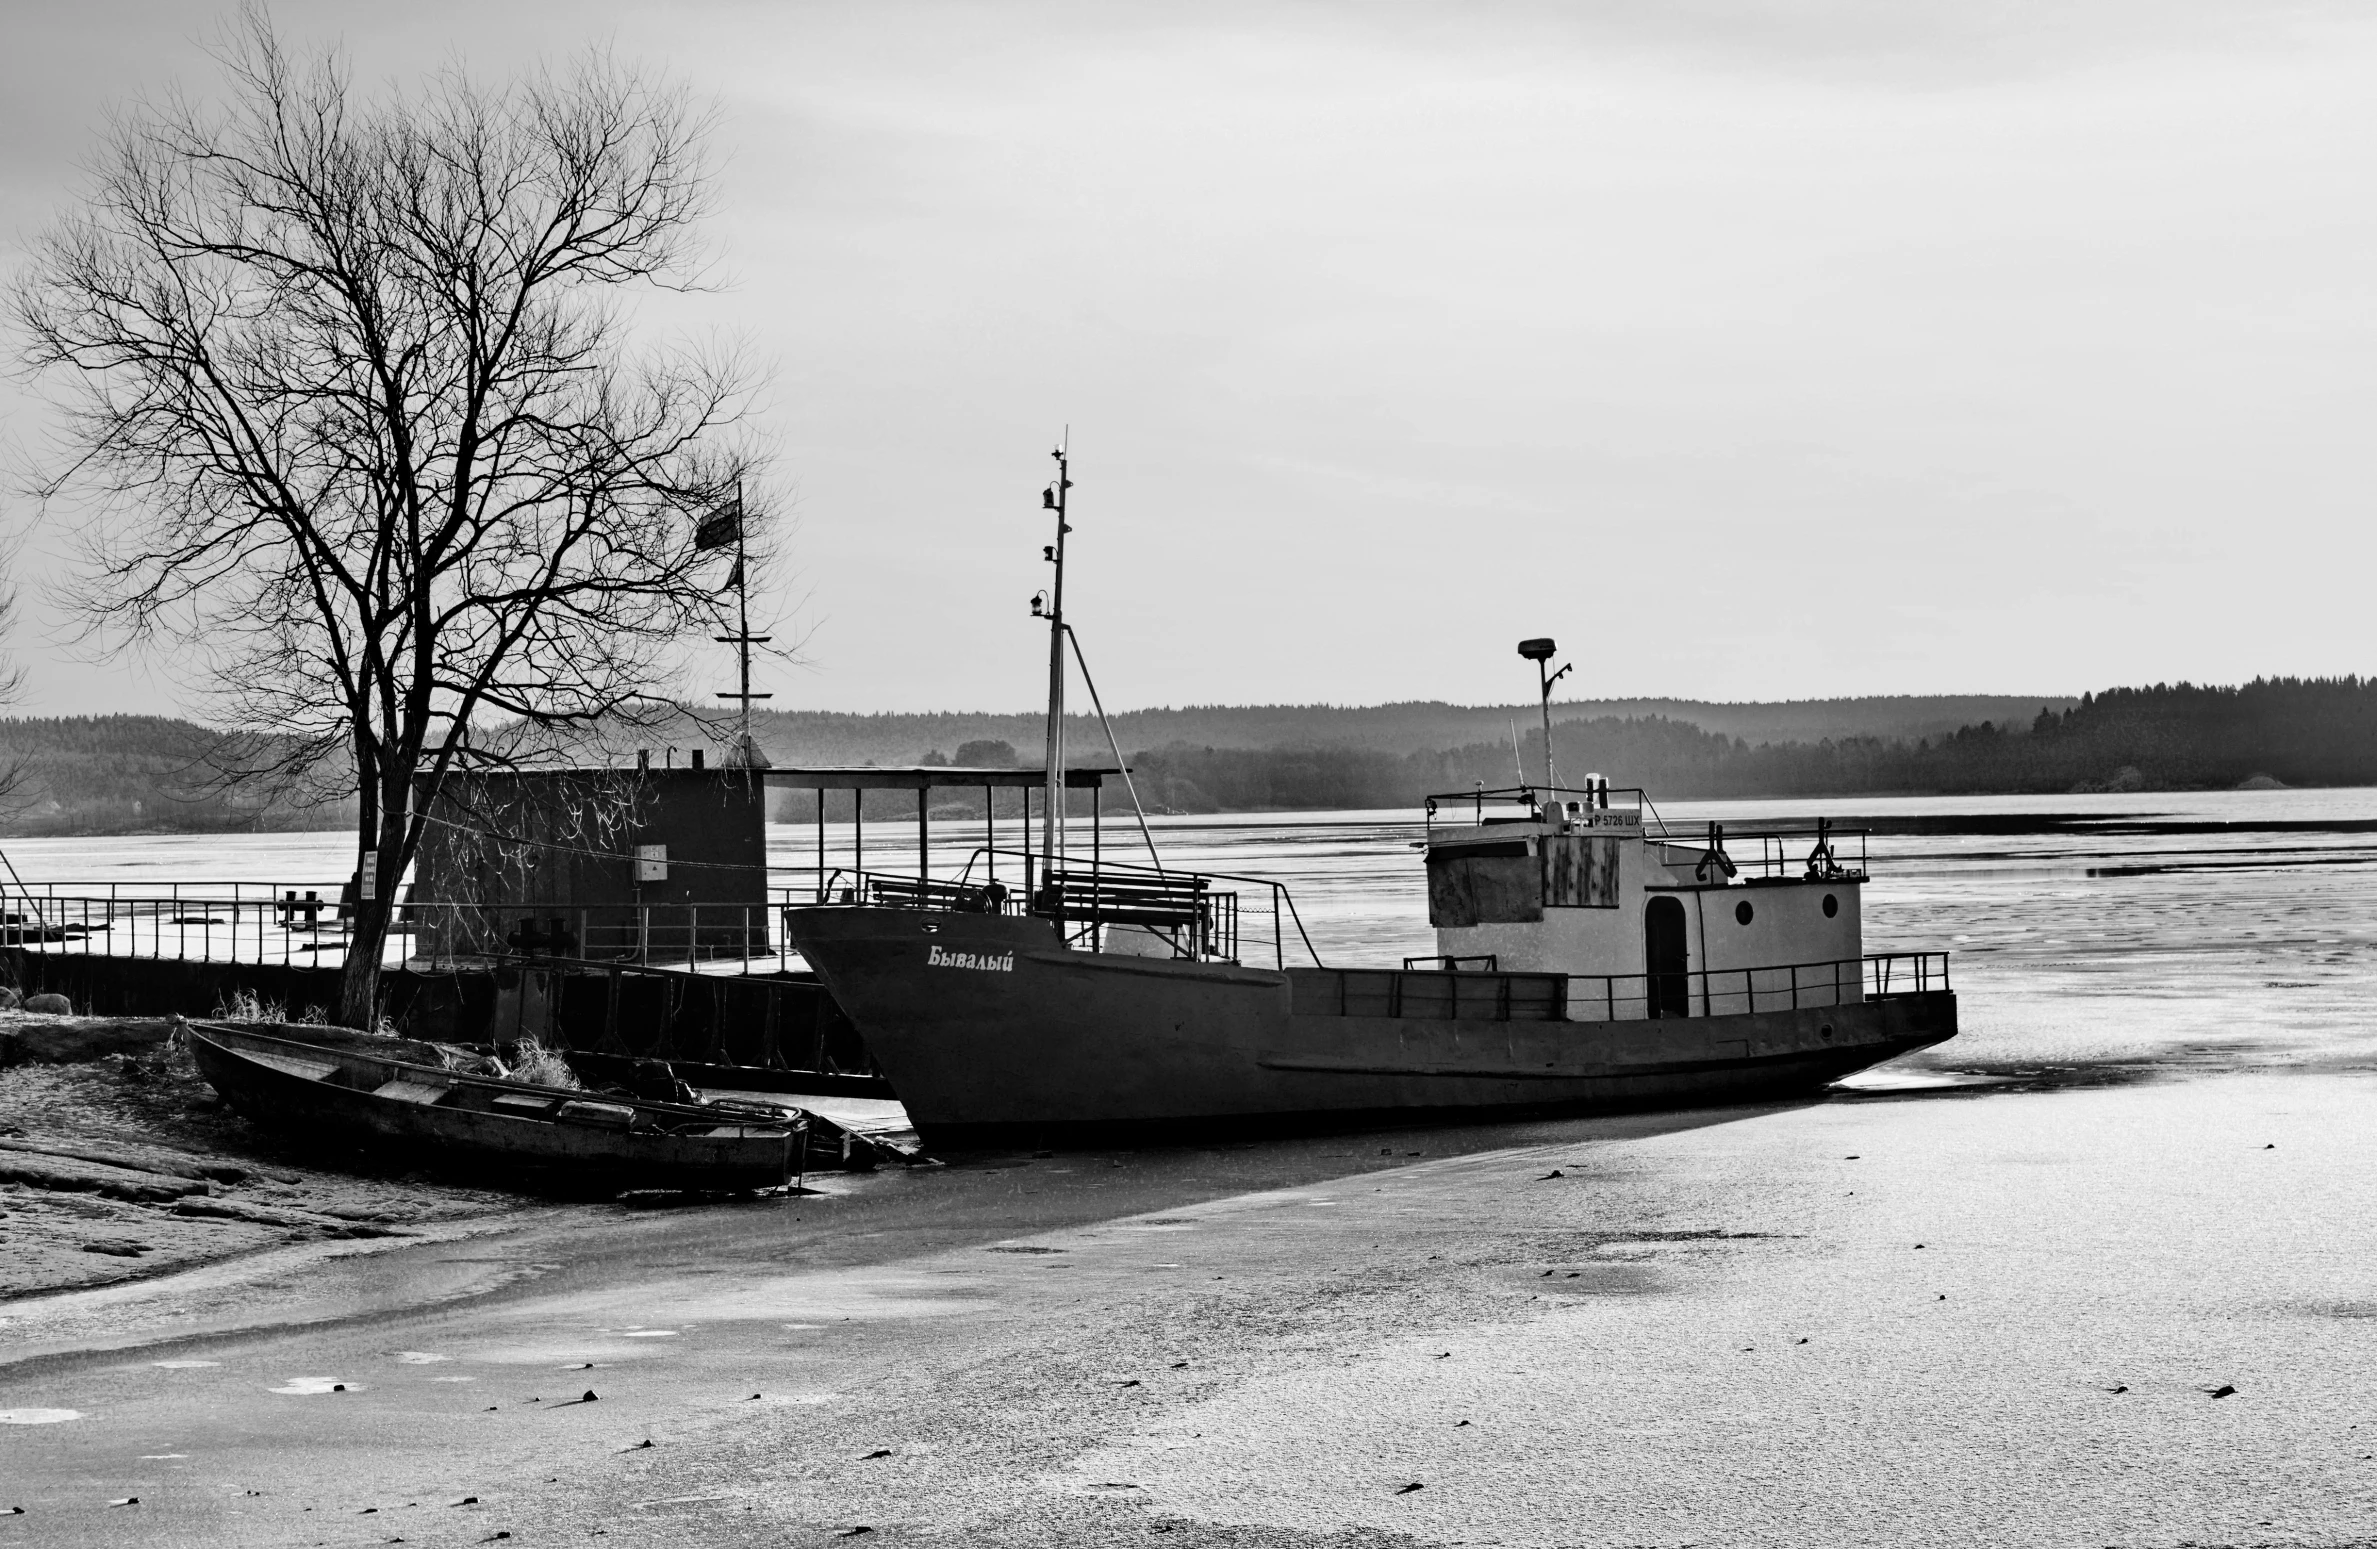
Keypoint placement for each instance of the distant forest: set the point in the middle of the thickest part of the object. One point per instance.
(2168, 737)
(1412, 726)
(115, 774)
(118, 774)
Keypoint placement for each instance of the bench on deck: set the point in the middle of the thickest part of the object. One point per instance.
(921, 893)
(1163, 902)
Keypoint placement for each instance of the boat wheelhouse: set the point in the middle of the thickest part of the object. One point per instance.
(1655, 921)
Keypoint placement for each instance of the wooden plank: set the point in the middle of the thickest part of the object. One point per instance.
(608, 1115)
(413, 1089)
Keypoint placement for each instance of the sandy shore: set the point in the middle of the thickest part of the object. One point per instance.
(127, 1167)
(1971, 1317)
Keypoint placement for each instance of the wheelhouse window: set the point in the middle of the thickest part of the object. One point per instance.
(1499, 882)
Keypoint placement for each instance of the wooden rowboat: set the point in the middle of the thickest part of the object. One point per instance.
(507, 1132)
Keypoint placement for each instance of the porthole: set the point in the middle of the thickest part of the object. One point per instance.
(1742, 911)
(1832, 906)
(1825, 1032)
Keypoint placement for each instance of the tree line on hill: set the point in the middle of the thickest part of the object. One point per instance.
(904, 737)
(112, 774)
(126, 773)
(2179, 736)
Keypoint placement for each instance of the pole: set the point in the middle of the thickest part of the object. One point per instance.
(743, 640)
(1051, 832)
(743, 616)
(1551, 777)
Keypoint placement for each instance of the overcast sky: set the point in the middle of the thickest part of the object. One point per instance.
(1755, 349)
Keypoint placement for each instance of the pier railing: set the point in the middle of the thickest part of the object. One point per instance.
(228, 922)
(264, 924)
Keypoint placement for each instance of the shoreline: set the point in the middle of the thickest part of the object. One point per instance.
(1701, 1327)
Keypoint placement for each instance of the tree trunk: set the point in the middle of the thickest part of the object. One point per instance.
(359, 986)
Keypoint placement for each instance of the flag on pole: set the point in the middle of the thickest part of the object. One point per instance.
(734, 578)
(721, 529)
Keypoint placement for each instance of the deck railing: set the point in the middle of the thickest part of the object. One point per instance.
(1755, 851)
(1704, 992)
(1483, 993)
(1183, 911)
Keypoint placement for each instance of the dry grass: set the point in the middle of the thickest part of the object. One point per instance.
(532, 1062)
(247, 1006)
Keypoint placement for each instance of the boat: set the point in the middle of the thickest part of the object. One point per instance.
(1588, 961)
(506, 1133)
(1589, 957)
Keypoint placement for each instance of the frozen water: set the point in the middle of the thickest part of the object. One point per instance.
(2232, 927)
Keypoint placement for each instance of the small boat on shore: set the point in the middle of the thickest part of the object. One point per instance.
(508, 1133)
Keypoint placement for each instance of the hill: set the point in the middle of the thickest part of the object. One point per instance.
(90, 774)
(827, 737)
(2165, 737)
(114, 774)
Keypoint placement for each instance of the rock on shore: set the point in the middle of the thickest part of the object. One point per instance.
(36, 1039)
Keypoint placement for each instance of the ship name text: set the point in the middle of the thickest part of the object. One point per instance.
(984, 962)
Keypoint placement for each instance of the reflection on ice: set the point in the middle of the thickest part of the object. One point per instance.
(1903, 1078)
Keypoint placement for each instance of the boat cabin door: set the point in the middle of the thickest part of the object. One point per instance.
(1666, 958)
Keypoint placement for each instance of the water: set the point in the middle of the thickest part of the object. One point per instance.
(2120, 942)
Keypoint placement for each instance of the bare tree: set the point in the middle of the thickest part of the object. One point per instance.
(359, 425)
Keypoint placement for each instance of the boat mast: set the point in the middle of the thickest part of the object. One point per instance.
(1540, 651)
(1052, 830)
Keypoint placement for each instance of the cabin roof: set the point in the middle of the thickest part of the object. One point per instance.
(832, 777)
(917, 777)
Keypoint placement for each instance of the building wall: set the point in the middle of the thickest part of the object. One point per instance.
(556, 852)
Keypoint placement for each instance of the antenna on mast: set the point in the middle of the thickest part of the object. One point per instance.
(1053, 498)
(1540, 652)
